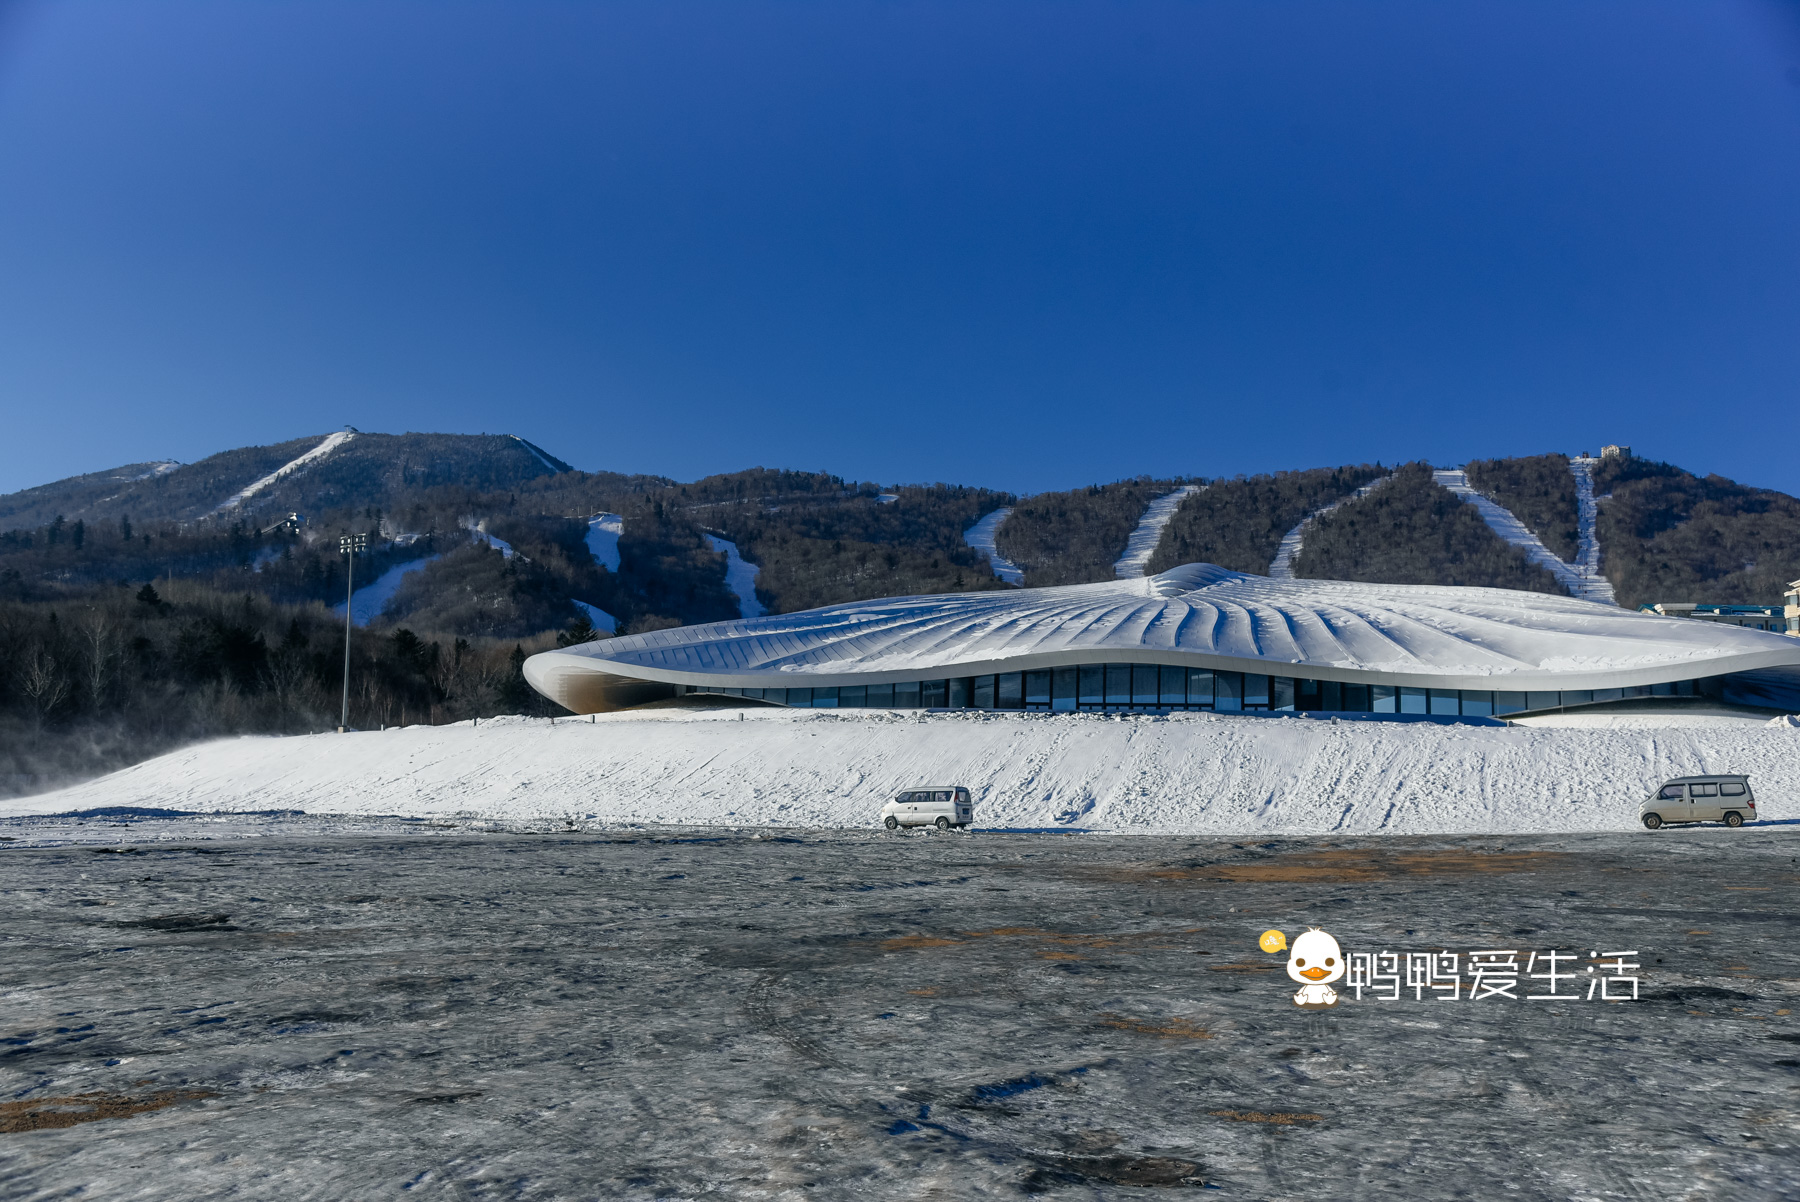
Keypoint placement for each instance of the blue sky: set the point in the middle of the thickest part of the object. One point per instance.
(1028, 245)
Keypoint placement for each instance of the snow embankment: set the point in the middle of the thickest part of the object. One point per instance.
(740, 577)
(1142, 543)
(332, 442)
(1289, 549)
(981, 537)
(1193, 773)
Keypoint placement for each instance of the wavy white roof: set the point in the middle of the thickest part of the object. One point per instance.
(1203, 616)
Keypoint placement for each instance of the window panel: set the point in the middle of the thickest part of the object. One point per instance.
(1477, 704)
(1173, 689)
(1542, 700)
(1144, 688)
(959, 693)
(983, 696)
(1200, 686)
(1510, 702)
(1090, 686)
(1037, 690)
(1445, 702)
(906, 695)
(1356, 699)
(1011, 691)
(1281, 693)
(1386, 699)
(1228, 690)
(934, 694)
(1118, 685)
(1331, 695)
(881, 696)
(1256, 691)
(824, 699)
(1413, 701)
(1062, 690)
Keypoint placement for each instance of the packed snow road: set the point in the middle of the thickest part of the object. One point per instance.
(1183, 773)
(358, 1009)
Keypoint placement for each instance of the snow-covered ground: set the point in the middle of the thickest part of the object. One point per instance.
(478, 531)
(740, 577)
(367, 602)
(981, 537)
(1184, 773)
(1142, 543)
(1291, 542)
(1595, 587)
(1501, 520)
(332, 442)
(603, 534)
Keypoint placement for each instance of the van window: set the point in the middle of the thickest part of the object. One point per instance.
(1731, 788)
(962, 795)
(904, 798)
(1706, 790)
(943, 795)
(1670, 793)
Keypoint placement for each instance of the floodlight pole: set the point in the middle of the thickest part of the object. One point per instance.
(348, 546)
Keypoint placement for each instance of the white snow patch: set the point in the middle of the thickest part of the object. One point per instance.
(367, 602)
(1289, 550)
(1503, 522)
(603, 534)
(1184, 773)
(161, 468)
(598, 618)
(981, 537)
(887, 498)
(1142, 543)
(332, 442)
(740, 577)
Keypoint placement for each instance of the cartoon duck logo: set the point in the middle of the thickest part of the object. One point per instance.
(1315, 960)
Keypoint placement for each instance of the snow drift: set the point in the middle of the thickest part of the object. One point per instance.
(1181, 773)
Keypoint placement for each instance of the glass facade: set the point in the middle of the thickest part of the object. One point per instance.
(1150, 689)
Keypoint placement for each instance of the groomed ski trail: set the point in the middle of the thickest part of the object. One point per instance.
(332, 442)
(1142, 543)
(1289, 550)
(1499, 519)
(981, 536)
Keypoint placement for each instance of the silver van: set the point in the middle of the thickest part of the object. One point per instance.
(1726, 799)
(942, 806)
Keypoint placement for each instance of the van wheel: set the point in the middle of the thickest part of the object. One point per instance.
(1734, 819)
(1651, 821)
(943, 824)
(891, 822)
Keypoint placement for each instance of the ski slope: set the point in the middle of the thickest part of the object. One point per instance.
(603, 534)
(332, 442)
(1587, 586)
(981, 537)
(598, 618)
(740, 577)
(1142, 543)
(367, 602)
(535, 454)
(1289, 549)
(1587, 547)
(1183, 773)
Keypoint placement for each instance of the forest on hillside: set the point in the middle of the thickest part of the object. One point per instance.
(1412, 530)
(1540, 492)
(820, 540)
(1076, 537)
(1239, 523)
(120, 673)
(1668, 535)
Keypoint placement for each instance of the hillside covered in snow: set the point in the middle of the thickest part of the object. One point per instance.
(1188, 773)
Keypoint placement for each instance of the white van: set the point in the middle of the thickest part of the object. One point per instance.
(942, 806)
(1726, 799)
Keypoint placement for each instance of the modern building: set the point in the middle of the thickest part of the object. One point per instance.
(1791, 611)
(1753, 617)
(1197, 637)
